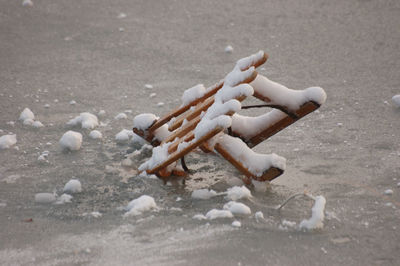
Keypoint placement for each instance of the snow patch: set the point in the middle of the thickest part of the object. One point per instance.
(26, 114)
(228, 49)
(123, 136)
(86, 120)
(193, 94)
(236, 224)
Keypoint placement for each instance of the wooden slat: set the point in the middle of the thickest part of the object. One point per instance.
(177, 155)
(183, 130)
(174, 146)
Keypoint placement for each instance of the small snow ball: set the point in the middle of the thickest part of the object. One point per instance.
(236, 224)
(28, 122)
(72, 102)
(148, 86)
(7, 141)
(216, 214)
(101, 113)
(37, 124)
(27, 3)
(86, 120)
(121, 15)
(259, 216)
(138, 206)
(237, 208)
(73, 186)
(388, 192)
(396, 100)
(45, 198)
(236, 193)
(26, 114)
(203, 194)
(71, 140)
(228, 49)
(123, 136)
(95, 134)
(120, 116)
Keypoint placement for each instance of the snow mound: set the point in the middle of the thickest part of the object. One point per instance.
(26, 114)
(396, 100)
(216, 214)
(73, 186)
(236, 193)
(120, 116)
(7, 141)
(237, 208)
(45, 198)
(95, 134)
(86, 120)
(203, 194)
(317, 216)
(71, 140)
(138, 206)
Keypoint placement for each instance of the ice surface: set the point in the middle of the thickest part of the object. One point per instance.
(396, 100)
(236, 193)
(237, 208)
(71, 140)
(86, 120)
(45, 198)
(203, 194)
(192, 94)
(215, 214)
(25, 114)
(317, 216)
(95, 134)
(7, 141)
(138, 206)
(120, 116)
(73, 186)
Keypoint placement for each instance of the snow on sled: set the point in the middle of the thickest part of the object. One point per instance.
(208, 119)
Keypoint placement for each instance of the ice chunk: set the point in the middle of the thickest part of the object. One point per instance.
(317, 216)
(144, 121)
(237, 208)
(214, 214)
(37, 124)
(86, 120)
(203, 194)
(73, 186)
(45, 198)
(236, 193)
(71, 140)
(95, 134)
(120, 116)
(193, 94)
(138, 206)
(259, 216)
(396, 100)
(26, 114)
(7, 141)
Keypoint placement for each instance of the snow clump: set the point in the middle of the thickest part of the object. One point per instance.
(86, 120)
(214, 214)
(45, 198)
(123, 136)
(28, 118)
(71, 140)
(7, 141)
(228, 49)
(73, 186)
(259, 216)
(203, 194)
(236, 224)
(396, 100)
(27, 3)
(144, 121)
(64, 198)
(95, 134)
(199, 217)
(236, 193)
(317, 216)
(138, 206)
(237, 208)
(120, 116)
(388, 192)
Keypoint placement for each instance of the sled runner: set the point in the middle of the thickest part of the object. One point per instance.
(208, 119)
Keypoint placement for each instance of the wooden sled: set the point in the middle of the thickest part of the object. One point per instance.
(208, 120)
